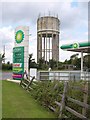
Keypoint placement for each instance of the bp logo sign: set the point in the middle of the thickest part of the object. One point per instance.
(75, 45)
(19, 36)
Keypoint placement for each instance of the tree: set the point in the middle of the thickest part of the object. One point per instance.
(78, 64)
(42, 64)
(31, 61)
(74, 56)
(8, 62)
(74, 59)
(2, 57)
(87, 61)
(60, 65)
(52, 64)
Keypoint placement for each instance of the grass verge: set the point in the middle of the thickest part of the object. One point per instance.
(17, 103)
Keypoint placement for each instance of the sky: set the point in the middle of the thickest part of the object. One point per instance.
(73, 16)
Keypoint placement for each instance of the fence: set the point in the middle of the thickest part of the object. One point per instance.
(63, 75)
(65, 98)
(27, 81)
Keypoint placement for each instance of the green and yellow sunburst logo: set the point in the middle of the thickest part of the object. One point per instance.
(19, 36)
(75, 45)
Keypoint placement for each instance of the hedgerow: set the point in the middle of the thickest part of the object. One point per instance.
(47, 92)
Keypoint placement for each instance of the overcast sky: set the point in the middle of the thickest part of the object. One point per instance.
(73, 17)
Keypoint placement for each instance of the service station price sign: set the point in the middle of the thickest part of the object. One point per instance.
(18, 62)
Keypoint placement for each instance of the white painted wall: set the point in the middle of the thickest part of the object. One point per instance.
(33, 72)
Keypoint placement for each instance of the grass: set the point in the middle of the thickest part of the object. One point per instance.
(0, 99)
(17, 103)
(6, 70)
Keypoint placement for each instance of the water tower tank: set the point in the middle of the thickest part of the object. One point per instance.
(48, 38)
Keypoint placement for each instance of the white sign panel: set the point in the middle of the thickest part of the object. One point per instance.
(22, 39)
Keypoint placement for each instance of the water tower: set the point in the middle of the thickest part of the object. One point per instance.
(48, 38)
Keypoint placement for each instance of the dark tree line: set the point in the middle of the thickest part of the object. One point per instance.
(74, 61)
(54, 65)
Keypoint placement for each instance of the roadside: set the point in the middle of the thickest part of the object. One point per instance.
(17, 103)
(6, 75)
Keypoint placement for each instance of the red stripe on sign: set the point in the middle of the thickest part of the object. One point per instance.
(17, 75)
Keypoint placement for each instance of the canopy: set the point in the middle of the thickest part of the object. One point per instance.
(77, 47)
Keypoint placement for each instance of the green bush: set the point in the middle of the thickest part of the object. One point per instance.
(47, 92)
(6, 66)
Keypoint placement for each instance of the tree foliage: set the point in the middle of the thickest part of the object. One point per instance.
(31, 61)
(42, 64)
(87, 61)
(6, 66)
(74, 56)
(2, 57)
(53, 64)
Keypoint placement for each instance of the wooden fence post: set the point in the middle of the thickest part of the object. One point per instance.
(63, 99)
(30, 82)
